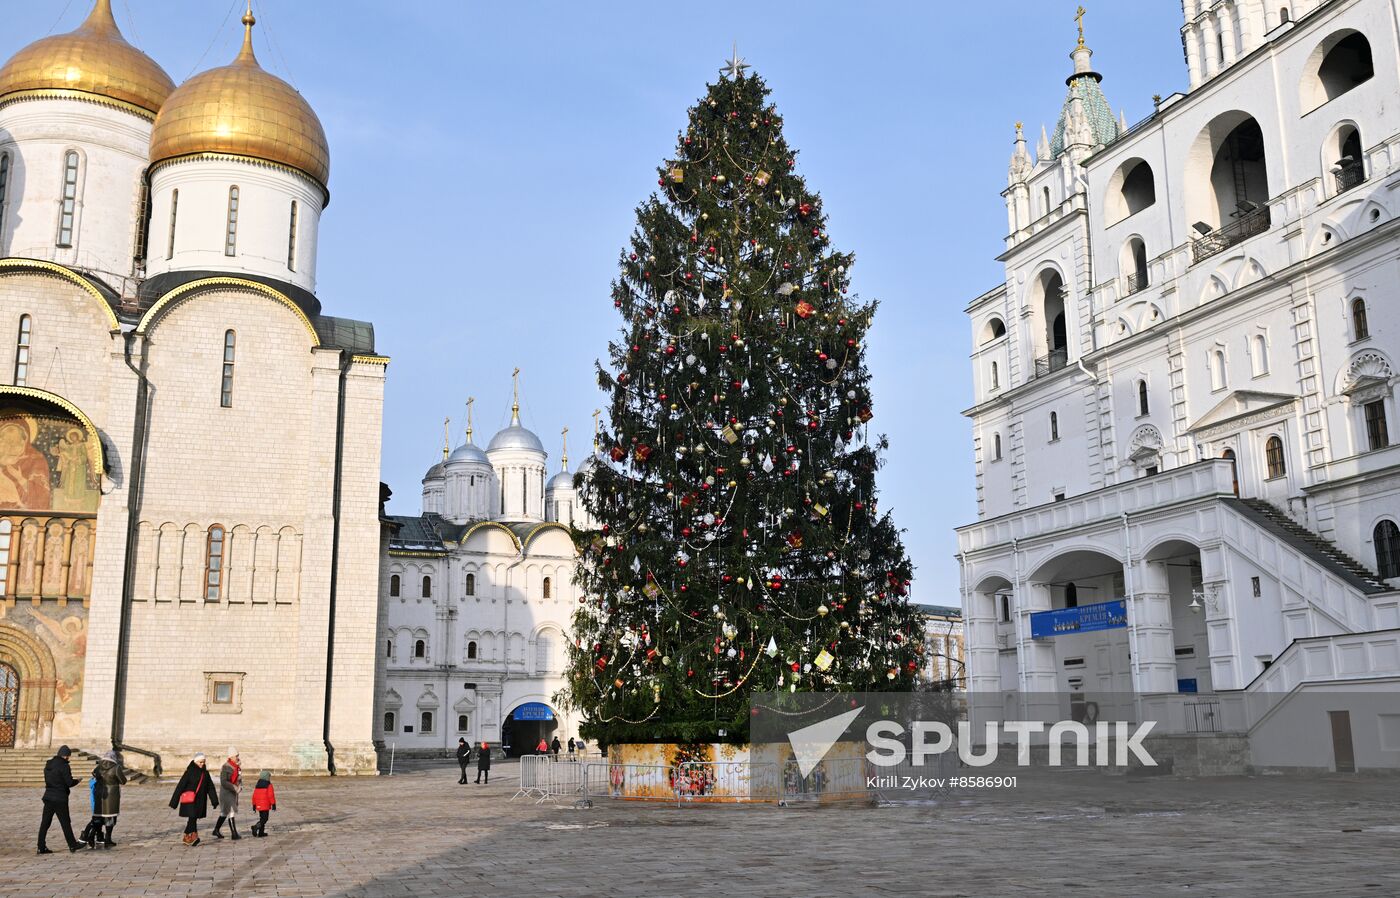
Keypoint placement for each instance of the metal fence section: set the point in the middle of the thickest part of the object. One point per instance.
(1203, 716)
(545, 779)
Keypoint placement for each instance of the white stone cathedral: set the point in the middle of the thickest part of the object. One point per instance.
(1184, 425)
(478, 598)
(189, 445)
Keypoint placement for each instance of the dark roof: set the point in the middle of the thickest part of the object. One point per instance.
(334, 333)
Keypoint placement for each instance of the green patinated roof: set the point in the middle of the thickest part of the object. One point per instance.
(1101, 120)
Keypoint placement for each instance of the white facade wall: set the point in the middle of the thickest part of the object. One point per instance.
(112, 153)
(263, 244)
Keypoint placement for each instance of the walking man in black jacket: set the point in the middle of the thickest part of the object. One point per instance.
(58, 779)
(464, 756)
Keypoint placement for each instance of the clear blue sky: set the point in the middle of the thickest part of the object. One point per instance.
(487, 158)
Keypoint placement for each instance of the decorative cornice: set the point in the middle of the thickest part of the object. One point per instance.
(519, 547)
(381, 360)
(246, 160)
(50, 93)
(1212, 431)
(20, 266)
(94, 443)
(187, 291)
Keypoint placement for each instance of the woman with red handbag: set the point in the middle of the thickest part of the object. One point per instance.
(192, 797)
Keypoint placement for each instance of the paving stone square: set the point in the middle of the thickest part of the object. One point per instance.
(419, 833)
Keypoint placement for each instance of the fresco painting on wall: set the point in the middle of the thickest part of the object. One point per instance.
(45, 464)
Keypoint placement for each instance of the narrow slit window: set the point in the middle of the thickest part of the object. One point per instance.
(226, 384)
(1143, 406)
(26, 328)
(214, 564)
(394, 586)
(231, 235)
(471, 584)
(292, 240)
(4, 187)
(548, 588)
(1361, 328)
(1054, 426)
(174, 211)
(69, 210)
(427, 587)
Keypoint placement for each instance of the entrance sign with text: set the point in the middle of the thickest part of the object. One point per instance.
(1083, 619)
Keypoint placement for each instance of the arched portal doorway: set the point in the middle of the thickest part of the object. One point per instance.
(9, 705)
(1234, 469)
(525, 726)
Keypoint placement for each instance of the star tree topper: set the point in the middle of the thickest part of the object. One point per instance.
(735, 67)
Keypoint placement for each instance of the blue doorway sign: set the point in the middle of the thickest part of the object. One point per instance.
(1083, 619)
(533, 711)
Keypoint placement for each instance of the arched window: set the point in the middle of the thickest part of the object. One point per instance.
(1143, 407)
(231, 230)
(226, 386)
(1045, 201)
(425, 722)
(1360, 328)
(1347, 64)
(1135, 264)
(1349, 163)
(1227, 184)
(214, 559)
(1273, 457)
(1387, 540)
(292, 240)
(996, 447)
(1054, 426)
(471, 584)
(1071, 595)
(4, 188)
(427, 586)
(471, 650)
(389, 721)
(68, 210)
(996, 377)
(995, 328)
(394, 585)
(462, 721)
(1217, 370)
(548, 588)
(389, 648)
(1259, 354)
(1048, 291)
(420, 648)
(174, 212)
(26, 332)
(1130, 190)
(1283, 17)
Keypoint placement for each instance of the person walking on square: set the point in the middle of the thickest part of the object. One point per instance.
(192, 796)
(464, 756)
(554, 748)
(230, 784)
(543, 748)
(264, 802)
(107, 782)
(571, 748)
(483, 764)
(58, 780)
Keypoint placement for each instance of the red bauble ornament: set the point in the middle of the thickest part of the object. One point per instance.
(804, 210)
(795, 667)
(671, 349)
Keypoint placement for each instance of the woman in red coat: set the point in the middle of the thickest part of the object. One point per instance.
(193, 794)
(264, 801)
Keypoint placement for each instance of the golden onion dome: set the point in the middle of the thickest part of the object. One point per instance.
(95, 60)
(241, 110)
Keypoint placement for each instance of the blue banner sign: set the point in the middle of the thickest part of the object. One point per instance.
(533, 711)
(1083, 619)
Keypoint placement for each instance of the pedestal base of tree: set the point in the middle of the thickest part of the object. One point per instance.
(660, 771)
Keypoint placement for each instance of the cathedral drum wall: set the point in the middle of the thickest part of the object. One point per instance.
(229, 603)
(112, 150)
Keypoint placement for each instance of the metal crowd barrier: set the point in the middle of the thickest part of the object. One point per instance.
(545, 779)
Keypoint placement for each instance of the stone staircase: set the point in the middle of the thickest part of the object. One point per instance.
(25, 767)
(1323, 551)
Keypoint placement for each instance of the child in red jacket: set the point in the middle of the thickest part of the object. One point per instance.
(264, 801)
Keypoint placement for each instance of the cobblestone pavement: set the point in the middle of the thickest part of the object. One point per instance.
(420, 834)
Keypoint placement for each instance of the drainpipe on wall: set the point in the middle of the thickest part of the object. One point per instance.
(1017, 597)
(345, 362)
(134, 485)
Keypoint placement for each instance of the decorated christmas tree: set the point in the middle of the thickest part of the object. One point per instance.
(739, 545)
